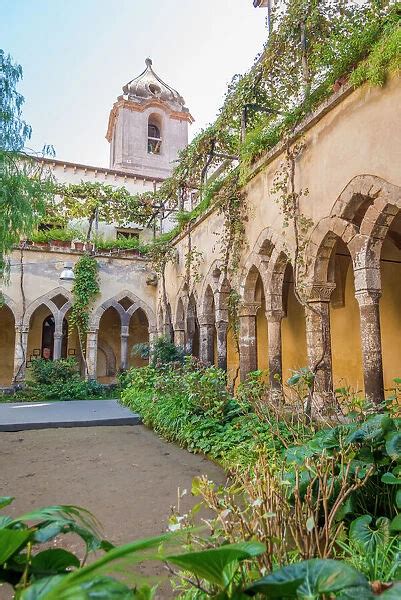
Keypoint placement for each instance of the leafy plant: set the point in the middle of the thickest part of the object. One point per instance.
(161, 352)
(59, 380)
(55, 573)
(25, 184)
(84, 291)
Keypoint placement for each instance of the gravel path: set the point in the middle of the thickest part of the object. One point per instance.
(126, 476)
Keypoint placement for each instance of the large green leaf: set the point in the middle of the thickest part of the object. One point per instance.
(214, 565)
(5, 501)
(393, 444)
(395, 524)
(99, 588)
(308, 579)
(390, 479)
(4, 521)
(372, 430)
(53, 561)
(132, 551)
(393, 593)
(365, 537)
(356, 593)
(11, 540)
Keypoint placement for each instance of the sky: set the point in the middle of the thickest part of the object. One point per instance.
(77, 54)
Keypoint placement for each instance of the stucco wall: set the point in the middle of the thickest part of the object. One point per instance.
(354, 135)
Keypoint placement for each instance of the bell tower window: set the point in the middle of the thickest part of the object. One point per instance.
(154, 137)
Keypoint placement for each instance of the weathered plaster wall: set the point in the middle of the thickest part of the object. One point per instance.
(353, 135)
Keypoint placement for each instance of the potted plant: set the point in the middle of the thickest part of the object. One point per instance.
(40, 240)
(61, 238)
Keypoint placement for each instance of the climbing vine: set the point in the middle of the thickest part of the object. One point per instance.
(231, 203)
(84, 291)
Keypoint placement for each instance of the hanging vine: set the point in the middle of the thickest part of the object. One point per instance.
(85, 289)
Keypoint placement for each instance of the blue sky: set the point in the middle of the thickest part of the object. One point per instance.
(77, 54)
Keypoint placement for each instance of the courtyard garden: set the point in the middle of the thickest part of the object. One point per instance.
(310, 509)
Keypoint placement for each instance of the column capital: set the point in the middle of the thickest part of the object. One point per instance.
(274, 315)
(368, 297)
(320, 292)
(124, 331)
(205, 320)
(21, 329)
(221, 315)
(249, 309)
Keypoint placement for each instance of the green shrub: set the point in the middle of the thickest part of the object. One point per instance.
(162, 352)
(189, 404)
(51, 371)
(60, 380)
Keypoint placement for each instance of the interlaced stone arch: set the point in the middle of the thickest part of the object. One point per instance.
(46, 300)
(124, 314)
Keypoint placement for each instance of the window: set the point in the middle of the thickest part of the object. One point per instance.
(154, 137)
(128, 234)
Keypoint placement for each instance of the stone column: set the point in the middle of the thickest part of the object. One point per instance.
(57, 344)
(124, 348)
(274, 318)
(179, 336)
(247, 339)
(318, 339)
(91, 353)
(368, 301)
(206, 341)
(20, 350)
(221, 330)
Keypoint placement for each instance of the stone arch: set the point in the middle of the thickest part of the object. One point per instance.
(124, 314)
(13, 306)
(180, 315)
(208, 305)
(110, 359)
(192, 326)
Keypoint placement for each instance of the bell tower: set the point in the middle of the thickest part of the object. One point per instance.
(148, 126)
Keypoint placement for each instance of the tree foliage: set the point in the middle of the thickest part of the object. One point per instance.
(25, 185)
(90, 200)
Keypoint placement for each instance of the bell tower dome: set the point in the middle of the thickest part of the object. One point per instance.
(148, 126)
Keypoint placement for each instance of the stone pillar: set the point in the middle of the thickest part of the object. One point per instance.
(318, 339)
(368, 301)
(274, 318)
(20, 350)
(57, 344)
(221, 330)
(206, 341)
(179, 336)
(247, 339)
(124, 348)
(91, 353)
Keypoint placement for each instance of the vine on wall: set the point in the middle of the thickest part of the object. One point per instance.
(85, 289)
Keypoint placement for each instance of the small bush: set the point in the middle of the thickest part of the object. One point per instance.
(51, 371)
(60, 380)
(162, 352)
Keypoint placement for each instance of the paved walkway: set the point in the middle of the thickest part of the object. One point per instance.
(75, 413)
